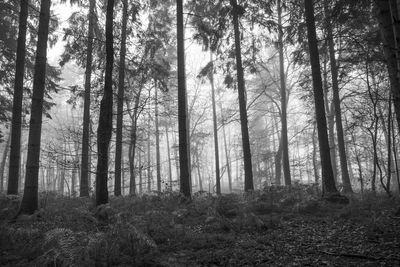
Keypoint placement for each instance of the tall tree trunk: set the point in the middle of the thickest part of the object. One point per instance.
(3, 162)
(227, 158)
(158, 160)
(169, 157)
(140, 172)
(336, 100)
(15, 153)
(284, 134)
(120, 105)
(104, 130)
(84, 186)
(385, 17)
(215, 129)
(198, 171)
(176, 159)
(248, 172)
(30, 199)
(278, 163)
(314, 155)
(184, 151)
(328, 180)
(331, 121)
(149, 178)
(374, 123)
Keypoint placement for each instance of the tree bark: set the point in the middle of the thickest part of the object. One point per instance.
(15, 152)
(385, 14)
(248, 172)
(120, 104)
(328, 181)
(284, 134)
(3, 162)
(158, 160)
(184, 151)
(336, 100)
(30, 199)
(227, 157)
(84, 186)
(215, 129)
(104, 130)
(331, 122)
(169, 158)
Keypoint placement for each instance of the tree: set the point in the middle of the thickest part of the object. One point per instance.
(328, 181)
(184, 156)
(15, 150)
(387, 13)
(120, 105)
(84, 185)
(336, 100)
(248, 173)
(215, 129)
(29, 201)
(284, 134)
(104, 130)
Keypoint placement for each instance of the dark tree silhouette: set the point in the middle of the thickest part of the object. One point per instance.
(328, 181)
(284, 134)
(104, 130)
(30, 199)
(120, 105)
(184, 156)
(248, 172)
(84, 185)
(15, 150)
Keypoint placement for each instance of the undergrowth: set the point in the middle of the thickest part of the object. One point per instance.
(151, 229)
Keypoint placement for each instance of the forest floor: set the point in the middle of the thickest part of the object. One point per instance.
(273, 227)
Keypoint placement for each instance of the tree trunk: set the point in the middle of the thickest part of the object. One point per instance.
(169, 158)
(284, 134)
(248, 172)
(336, 100)
(30, 199)
(184, 151)
(278, 164)
(149, 178)
(215, 129)
(331, 122)
(104, 130)
(198, 171)
(15, 153)
(227, 158)
(328, 180)
(120, 105)
(385, 15)
(158, 160)
(315, 164)
(84, 186)
(140, 172)
(3, 162)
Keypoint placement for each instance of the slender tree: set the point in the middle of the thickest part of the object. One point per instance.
(15, 152)
(328, 181)
(158, 160)
(184, 156)
(336, 100)
(120, 103)
(284, 134)
(104, 130)
(248, 172)
(84, 185)
(3, 161)
(30, 198)
(215, 128)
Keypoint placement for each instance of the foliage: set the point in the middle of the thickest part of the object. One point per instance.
(263, 227)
